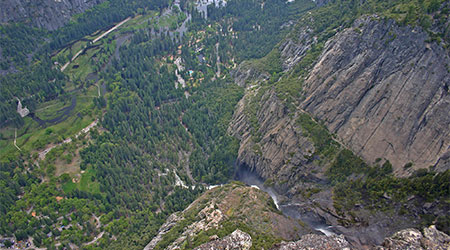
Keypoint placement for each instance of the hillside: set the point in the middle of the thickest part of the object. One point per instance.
(243, 124)
(235, 216)
(346, 121)
(383, 90)
(222, 210)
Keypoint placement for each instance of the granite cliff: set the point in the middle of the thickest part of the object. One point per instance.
(384, 90)
(381, 89)
(47, 14)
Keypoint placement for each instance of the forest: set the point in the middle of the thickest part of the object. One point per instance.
(158, 145)
(131, 164)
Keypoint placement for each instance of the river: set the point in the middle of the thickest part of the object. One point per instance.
(289, 209)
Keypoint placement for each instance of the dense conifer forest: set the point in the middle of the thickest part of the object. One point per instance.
(158, 145)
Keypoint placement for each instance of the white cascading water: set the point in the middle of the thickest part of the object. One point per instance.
(291, 210)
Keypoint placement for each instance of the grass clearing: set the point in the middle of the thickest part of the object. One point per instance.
(82, 66)
(138, 22)
(32, 137)
(87, 183)
(62, 167)
(52, 111)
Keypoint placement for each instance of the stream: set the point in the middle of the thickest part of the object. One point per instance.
(292, 210)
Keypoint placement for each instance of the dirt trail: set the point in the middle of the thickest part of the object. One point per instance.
(99, 224)
(15, 140)
(71, 60)
(94, 41)
(100, 235)
(43, 153)
(111, 30)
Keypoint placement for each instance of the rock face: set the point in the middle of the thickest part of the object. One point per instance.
(23, 111)
(237, 240)
(245, 72)
(249, 208)
(381, 88)
(407, 239)
(384, 90)
(293, 51)
(47, 14)
(281, 149)
(413, 239)
(165, 228)
(314, 241)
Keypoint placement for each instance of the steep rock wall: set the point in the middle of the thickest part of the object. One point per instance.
(381, 88)
(47, 14)
(385, 91)
(276, 148)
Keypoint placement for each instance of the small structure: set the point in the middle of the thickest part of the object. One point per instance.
(22, 111)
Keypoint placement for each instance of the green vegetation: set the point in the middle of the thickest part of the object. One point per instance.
(121, 167)
(323, 142)
(17, 42)
(271, 63)
(289, 86)
(119, 180)
(32, 137)
(258, 29)
(260, 240)
(207, 121)
(238, 200)
(344, 165)
(99, 17)
(357, 184)
(35, 84)
(86, 184)
(431, 15)
(380, 190)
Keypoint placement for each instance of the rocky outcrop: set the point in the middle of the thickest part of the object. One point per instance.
(47, 14)
(314, 241)
(23, 111)
(413, 239)
(407, 239)
(220, 207)
(381, 87)
(164, 229)
(237, 240)
(246, 72)
(294, 49)
(384, 90)
(276, 146)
